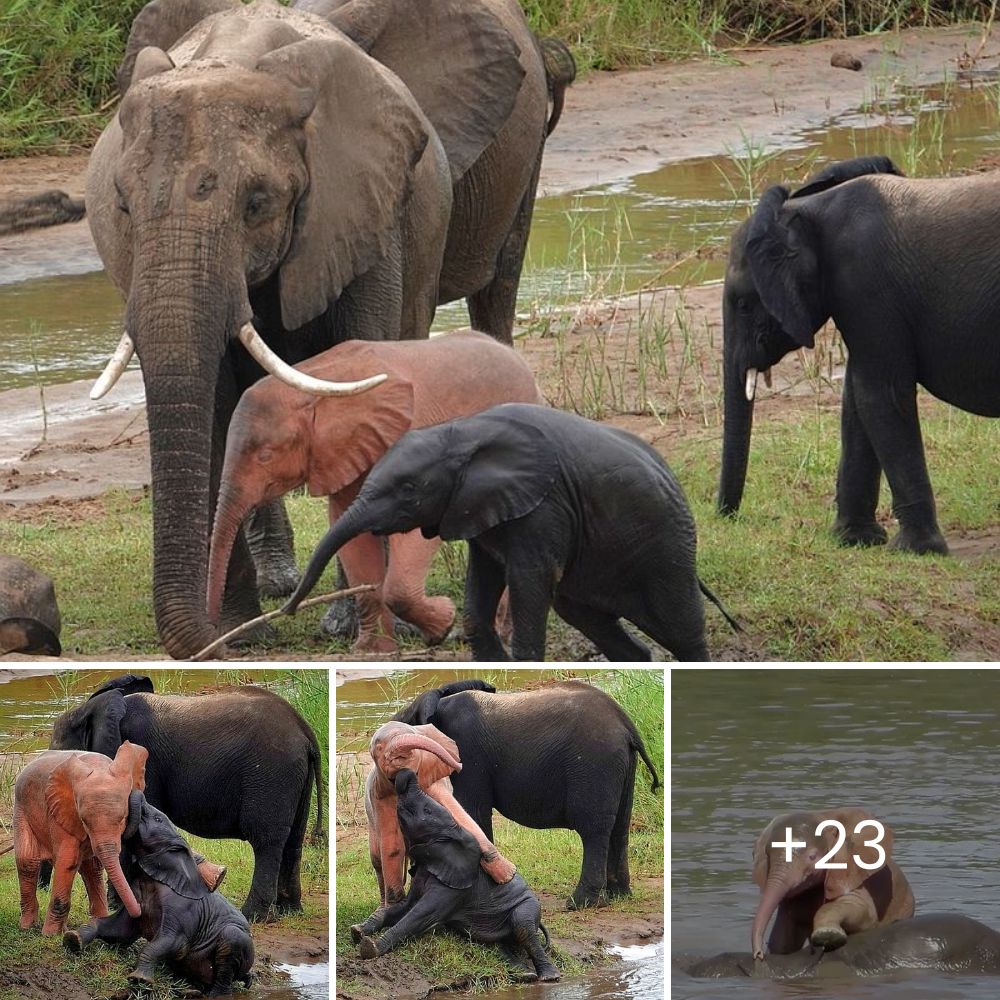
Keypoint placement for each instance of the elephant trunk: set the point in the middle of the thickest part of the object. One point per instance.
(135, 801)
(181, 345)
(231, 511)
(408, 742)
(772, 895)
(107, 853)
(737, 424)
(353, 522)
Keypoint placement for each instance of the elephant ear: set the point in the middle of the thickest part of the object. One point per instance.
(458, 60)
(102, 717)
(840, 881)
(784, 264)
(847, 170)
(131, 760)
(161, 23)
(760, 856)
(421, 710)
(364, 137)
(453, 859)
(351, 433)
(60, 795)
(127, 684)
(175, 867)
(505, 474)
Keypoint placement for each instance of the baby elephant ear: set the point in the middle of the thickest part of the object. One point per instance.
(453, 861)
(176, 869)
(508, 472)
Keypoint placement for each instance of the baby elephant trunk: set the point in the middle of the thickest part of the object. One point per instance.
(770, 898)
(404, 744)
(107, 854)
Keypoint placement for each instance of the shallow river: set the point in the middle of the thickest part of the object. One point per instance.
(917, 748)
(667, 227)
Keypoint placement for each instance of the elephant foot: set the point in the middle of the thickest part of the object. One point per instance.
(356, 933)
(861, 535)
(581, 899)
(432, 617)
(368, 948)
(278, 581)
(373, 642)
(28, 922)
(72, 942)
(264, 632)
(828, 938)
(920, 542)
(139, 976)
(497, 867)
(549, 974)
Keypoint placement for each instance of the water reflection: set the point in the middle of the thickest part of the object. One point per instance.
(918, 748)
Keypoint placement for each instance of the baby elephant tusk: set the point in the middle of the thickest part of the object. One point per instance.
(273, 365)
(751, 387)
(114, 368)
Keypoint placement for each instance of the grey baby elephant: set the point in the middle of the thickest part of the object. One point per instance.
(450, 889)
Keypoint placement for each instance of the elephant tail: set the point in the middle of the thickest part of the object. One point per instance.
(733, 623)
(560, 72)
(315, 765)
(545, 932)
(50, 208)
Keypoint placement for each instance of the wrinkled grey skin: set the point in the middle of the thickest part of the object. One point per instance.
(905, 268)
(194, 930)
(246, 175)
(576, 771)
(29, 615)
(936, 942)
(238, 763)
(450, 889)
(565, 512)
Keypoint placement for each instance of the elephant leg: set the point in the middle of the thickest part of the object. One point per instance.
(531, 588)
(425, 914)
(288, 897)
(93, 879)
(845, 915)
(619, 883)
(64, 869)
(27, 877)
(790, 930)
(591, 889)
(858, 477)
(391, 851)
(602, 629)
(492, 308)
(484, 585)
(266, 864)
(673, 615)
(227, 961)
(525, 920)
(119, 928)
(167, 943)
(272, 546)
(887, 403)
(492, 861)
(384, 916)
(410, 556)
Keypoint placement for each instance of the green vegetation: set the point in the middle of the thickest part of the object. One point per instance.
(58, 58)
(549, 860)
(103, 970)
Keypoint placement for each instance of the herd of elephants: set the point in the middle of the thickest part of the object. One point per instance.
(284, 197)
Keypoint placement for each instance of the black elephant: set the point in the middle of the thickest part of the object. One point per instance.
(929, 942)
(238, 763)
(565, 512)
(562, 756)
(905, 269)
(186, 923)
(450, 889)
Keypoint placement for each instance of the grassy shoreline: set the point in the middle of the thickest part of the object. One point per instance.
(549, 860)
(57, 74)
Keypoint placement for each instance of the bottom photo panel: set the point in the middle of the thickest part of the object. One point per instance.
(834, 833)
(500, 832)
(164, 833)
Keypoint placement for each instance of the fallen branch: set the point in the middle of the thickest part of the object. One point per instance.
(50, 208)
(203, 654)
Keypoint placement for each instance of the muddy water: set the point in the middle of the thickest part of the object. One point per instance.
(666, 227)
(918, 748)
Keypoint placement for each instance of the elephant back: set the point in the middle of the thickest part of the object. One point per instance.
(29, 615)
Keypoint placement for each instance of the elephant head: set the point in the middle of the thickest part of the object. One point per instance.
(421, 710)
(100, 804)
(96, 724)
(255, 169)
(780, 879)
(455, 480)
(773, 303)
(281, 437)
(425, 750)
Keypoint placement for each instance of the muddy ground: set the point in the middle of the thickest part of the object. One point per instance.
(614, 125)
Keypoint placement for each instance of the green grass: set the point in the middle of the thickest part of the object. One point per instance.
(549, 860)
(58, 58)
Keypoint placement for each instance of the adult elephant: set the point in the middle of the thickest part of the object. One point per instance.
(239, 763)
(266, 164)
(562, 756)
(931, 942)
(904, 267)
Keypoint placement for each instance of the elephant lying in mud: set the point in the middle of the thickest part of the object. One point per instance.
(906, 269)
(930, 942)
(449, 889)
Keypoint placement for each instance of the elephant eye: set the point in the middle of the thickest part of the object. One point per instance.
(408, 486)
(120, 200)
(258, 203)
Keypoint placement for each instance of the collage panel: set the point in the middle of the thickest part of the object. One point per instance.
(528, 804)
(833, 833)
(201, 797)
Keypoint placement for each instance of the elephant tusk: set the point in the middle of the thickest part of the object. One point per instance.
(273, 365)
(751, 386)
(114, 368)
